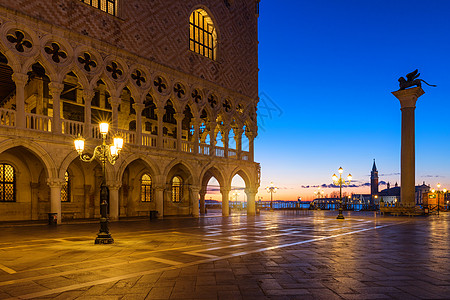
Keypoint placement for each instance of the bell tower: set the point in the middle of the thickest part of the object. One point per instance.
(374, 180)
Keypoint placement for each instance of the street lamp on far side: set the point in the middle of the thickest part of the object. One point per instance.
(340, 181)
(271, 189)
(104, 153)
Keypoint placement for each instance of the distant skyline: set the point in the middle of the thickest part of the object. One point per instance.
(327, 70)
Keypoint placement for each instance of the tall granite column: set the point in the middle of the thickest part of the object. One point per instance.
(408, 100)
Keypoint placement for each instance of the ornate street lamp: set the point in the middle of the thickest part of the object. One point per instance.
(235, 196)
(340, 181)
(438, 192)
(103, 153)
(271, 189)
(319, 193)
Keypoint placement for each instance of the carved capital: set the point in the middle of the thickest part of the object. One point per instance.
(55, 88)
(115, 101)
(20, 79)
(138, 107)
(88, 95)
(55, 182)
(408, 97)
(179, 117)
(114, 186)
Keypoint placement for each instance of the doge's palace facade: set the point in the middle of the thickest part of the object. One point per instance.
(178, 80)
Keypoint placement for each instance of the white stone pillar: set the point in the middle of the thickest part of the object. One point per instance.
(159, 195)
(179, 118)
(251, 138)
(20, 80)
(138, 107)
(251, 207)
(114, 201)
(55, 89)
(238, 139)
(195, 201)
(196, 134)
(225, 142)
(225, 202)
(55, 185)
(212, 138)
(160, 114)
(115, 102)
(202, 200)
(88, 95)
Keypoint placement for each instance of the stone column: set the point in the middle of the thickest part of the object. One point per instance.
(55, 185)
(212, 138)
(196, 134)
(20, 80)
(115, 102)
(251, 137)
(202, 200)
(251, 208)
(179, 118)
(225, 141)
(160, 113)
(88, 95)
(114, 201)
(55, 89)
(195, 201)
(138, 107)
(159, 195)
(225, 202)
(408, 100)
(238, 139)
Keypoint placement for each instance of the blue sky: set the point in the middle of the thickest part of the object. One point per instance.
(327, 70)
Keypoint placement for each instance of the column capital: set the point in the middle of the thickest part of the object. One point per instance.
(115, 101)
(55, 182)
(179, 116)
(88, 95)
(225, 190)
(138, 107)
(408, 97)
(160, 112)
(195, 189)
(114, 186)
(19, 78)
(55, 88)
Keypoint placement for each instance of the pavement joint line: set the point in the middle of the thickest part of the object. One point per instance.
(200, 254)
(117, 256)
(127, 276)
(7, 270)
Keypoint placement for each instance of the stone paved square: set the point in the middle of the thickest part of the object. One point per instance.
(275, 255)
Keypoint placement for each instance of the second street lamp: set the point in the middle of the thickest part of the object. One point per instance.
(271, 189)
(340, 181)
(104, 153)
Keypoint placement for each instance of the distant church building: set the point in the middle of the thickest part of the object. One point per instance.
(177, 80)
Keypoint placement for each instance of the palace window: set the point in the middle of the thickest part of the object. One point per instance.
(7, 183)
(146, 188)
(202, 34)
(108, 6)
(65, 189)
(177, 189)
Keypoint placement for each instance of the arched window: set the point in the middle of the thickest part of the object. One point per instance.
(65, 189)
(146, 188)
(7, 183)
(202, 34)
(108, 6)
(177, 189)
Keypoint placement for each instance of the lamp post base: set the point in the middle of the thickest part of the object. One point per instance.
(340, 215)
(103, 236)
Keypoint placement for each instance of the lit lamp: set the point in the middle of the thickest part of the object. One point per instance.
(319, 193)
(340, 181)
(438, 192)
(103, 153)
(271, 189)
